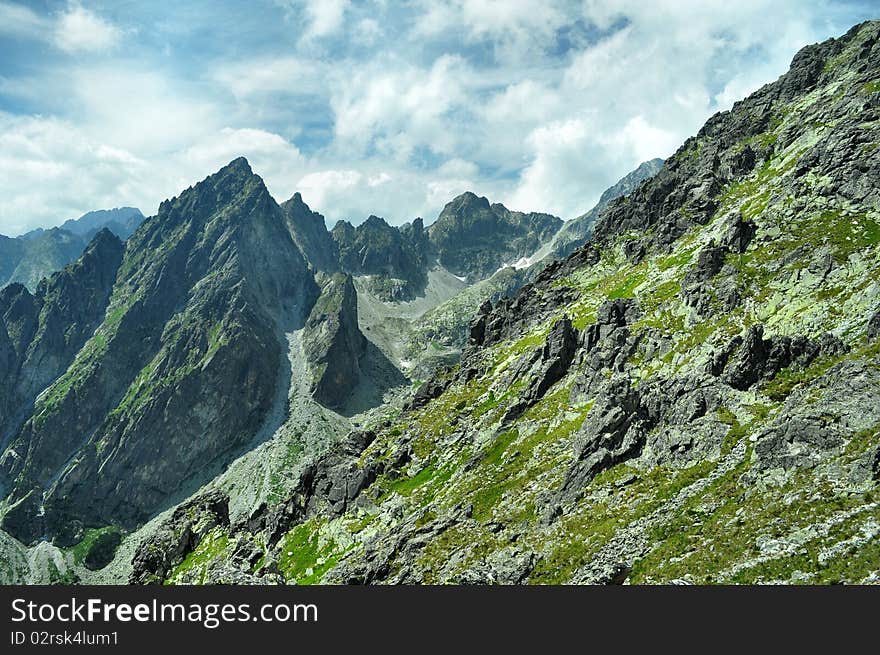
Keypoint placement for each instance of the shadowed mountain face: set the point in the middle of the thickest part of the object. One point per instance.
(309, 232)
(395, 259)
(201, 300)
(40, 333)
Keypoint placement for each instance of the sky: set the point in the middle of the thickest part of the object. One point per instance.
(372, 107)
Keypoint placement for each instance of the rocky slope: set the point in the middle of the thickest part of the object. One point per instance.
(694, 396)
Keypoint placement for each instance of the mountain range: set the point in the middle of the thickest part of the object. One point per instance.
(33, 256)
(682, 385)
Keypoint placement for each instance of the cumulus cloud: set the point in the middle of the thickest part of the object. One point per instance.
(325, 17)
(80, 30)
(399, 108)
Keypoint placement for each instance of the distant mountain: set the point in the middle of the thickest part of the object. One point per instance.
(473, 238)
(33, 256)
(122, 221)
(395, 259)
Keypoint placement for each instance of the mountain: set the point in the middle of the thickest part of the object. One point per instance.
(202, 299)
(395, 260)
(42, 332)
(691, 397)
(445, 325)
(309, 232)
(122, 221)
(473, 239)
(470, 239)
(35, 255)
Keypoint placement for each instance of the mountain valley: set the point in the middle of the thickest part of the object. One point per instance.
(680, 386)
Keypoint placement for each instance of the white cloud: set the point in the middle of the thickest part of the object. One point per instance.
(73, 30)
(80, 30)
(515, 29)
(141, 110)
(325, 17)
(251, 78)
(397, 109)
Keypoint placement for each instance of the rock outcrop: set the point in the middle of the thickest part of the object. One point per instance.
(333, 342)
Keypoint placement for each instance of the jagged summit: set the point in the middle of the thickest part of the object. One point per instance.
(202, 294)
(308, 229)
(239, 165)
(467, 201)
(473, 238)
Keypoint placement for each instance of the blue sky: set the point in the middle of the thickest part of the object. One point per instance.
(374, 106)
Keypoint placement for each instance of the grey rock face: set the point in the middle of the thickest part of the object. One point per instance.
(44, 331)
(754, 358)
(845, 401)
(873, 329)
(179, 536)
(309, 232)
(333, 342)
(551, 363)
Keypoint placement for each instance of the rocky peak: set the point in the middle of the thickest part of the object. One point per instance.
(206, 287)
(309, 232)
(466, 202)
(396, 258)
(474, 238)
